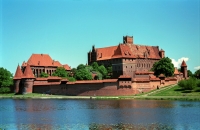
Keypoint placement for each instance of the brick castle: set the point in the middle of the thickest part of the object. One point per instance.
(131, 64)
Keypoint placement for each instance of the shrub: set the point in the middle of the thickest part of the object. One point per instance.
(71, 79)
(198, 83)
(4, 90)
(188, 84)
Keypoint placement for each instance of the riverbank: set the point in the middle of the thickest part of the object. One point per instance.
(172, 92)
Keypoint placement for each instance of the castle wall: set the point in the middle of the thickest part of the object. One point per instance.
(101, 87)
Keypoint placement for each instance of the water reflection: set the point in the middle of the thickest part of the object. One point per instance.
(89, 114)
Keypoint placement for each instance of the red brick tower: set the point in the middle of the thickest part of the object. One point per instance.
(184, 69)
(17, 79)
(28, 80)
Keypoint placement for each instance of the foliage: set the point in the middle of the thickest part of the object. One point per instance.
(189, 73)
(95, 66)
(197, 73)
(189, 84)
(6, 80)
(71, 79)
(4, 89)
(164, 66)
(81, 66)
(198, 83)
(103, 71)
(83, 74)
(60, 72)
(43, 74)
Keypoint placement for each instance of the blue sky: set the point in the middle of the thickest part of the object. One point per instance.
(66, 29)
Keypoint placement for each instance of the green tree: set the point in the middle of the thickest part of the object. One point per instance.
(81, 66)
(189, 73)
(83, 74)
(6, 80)
(95, 66)
(109, 70)
(103, 71)
(163, 66)
(197, 73)
(60, 72)
(44, 75)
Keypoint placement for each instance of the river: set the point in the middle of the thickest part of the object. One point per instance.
(98, 114)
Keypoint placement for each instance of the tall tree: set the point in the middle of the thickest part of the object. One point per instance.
(197, 73)
(81, 66)
(189, 73)
(163, 66)
(6, 80)
(83, 74)
(60, 72)
(95, 66)
(103, 71)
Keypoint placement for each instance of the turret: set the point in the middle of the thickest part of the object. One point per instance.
(17, 79)
(28, 80)
(162, 53)
(128, 39)
(184, 69)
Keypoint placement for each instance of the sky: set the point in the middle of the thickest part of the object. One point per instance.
(67, 29)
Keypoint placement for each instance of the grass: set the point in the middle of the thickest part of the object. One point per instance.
(178, 91)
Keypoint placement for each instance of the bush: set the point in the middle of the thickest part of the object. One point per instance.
(188, 84)
(4, 90)
(198, 83)
(71, 79)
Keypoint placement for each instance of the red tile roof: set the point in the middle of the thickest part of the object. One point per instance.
(183, 64)
(18, 73)
(28, 72)
(44, 60)
(66, 66)
(128, 51)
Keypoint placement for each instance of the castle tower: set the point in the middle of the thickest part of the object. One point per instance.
(28, 80)
(184, 69)
(128, 39)
(162, 53)
(17, 79)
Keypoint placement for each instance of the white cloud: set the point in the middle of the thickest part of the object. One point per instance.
(197, 68)
(179, 61)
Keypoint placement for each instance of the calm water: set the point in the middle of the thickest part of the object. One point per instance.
(98, 114)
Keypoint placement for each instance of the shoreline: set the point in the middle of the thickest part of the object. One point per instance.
(181, 98)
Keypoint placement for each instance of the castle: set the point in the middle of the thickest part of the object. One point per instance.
(131, 65)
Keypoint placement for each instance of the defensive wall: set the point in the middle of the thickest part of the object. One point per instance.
(109, 87)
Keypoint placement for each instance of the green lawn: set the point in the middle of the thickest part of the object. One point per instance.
(178, 91)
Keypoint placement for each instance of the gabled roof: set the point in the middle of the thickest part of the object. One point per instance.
(18, 73)
(126, 50)
(41, 60)
(183, 64)
(44, 60)
(28, 72)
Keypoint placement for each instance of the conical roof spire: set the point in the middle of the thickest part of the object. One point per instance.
(18, 73)
(28, 72)
(183, 64)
